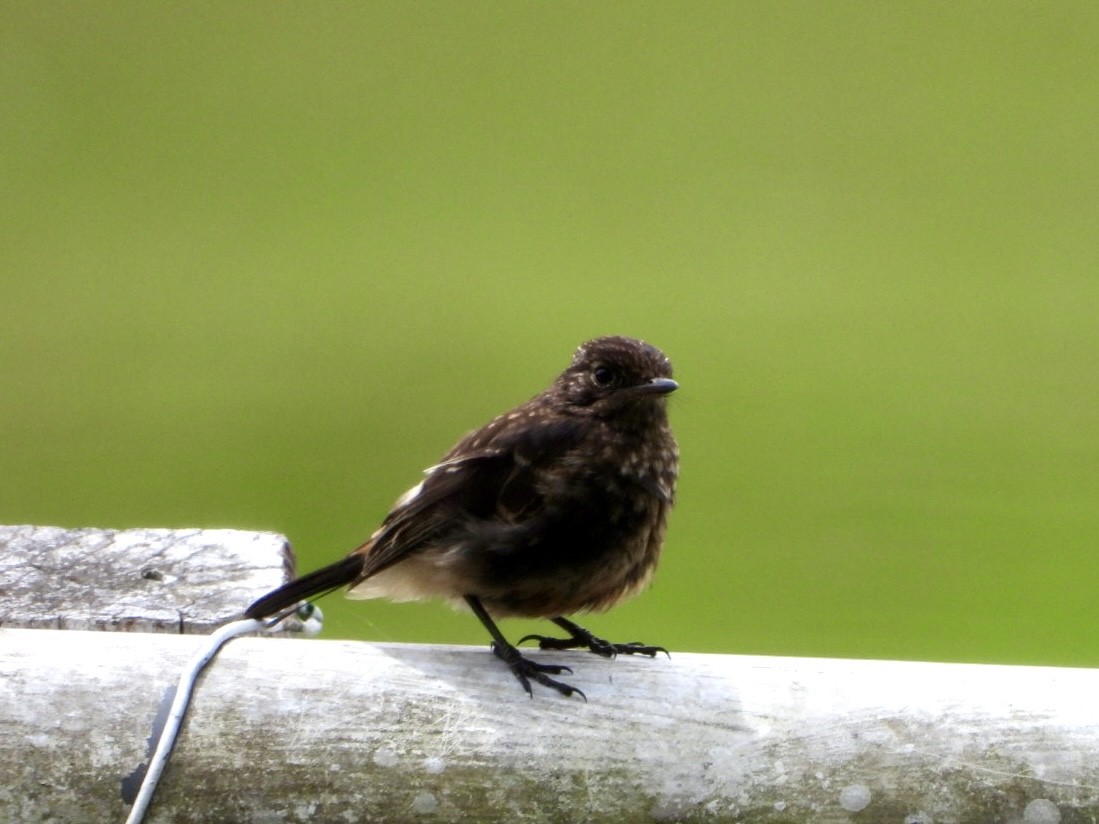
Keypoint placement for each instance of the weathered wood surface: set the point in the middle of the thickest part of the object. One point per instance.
(325, 731)
(135, 580)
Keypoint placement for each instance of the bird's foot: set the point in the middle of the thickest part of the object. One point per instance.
(527, 670)
(582, 639)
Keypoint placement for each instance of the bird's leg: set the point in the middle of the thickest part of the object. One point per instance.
(580, 637)
(523, 668)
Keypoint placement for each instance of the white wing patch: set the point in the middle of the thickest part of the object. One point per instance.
(411, 495)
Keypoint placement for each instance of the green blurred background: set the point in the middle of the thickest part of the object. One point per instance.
(261, 263)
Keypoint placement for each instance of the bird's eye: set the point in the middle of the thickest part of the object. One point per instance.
(602, 376)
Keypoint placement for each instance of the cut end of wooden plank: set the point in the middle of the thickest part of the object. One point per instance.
(135, 580)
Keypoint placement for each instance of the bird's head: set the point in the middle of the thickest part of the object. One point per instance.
(610, 375)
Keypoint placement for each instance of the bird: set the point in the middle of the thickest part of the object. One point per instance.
(558, 506)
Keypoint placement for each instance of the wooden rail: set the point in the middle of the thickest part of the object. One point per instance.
(286, 730)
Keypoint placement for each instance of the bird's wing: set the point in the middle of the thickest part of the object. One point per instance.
(489, 475)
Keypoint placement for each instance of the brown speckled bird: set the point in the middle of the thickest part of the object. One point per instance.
(556, 507)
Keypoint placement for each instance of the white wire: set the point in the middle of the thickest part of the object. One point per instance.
(182, 698)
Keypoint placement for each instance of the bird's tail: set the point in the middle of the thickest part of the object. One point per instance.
(316, 583)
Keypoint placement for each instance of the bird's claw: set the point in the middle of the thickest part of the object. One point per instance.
(527, 670)
(595, 644)
(637, 648)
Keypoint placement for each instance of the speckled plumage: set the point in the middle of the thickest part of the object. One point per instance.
(557, 506)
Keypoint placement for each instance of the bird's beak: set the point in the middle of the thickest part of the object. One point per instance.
(657, 386)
